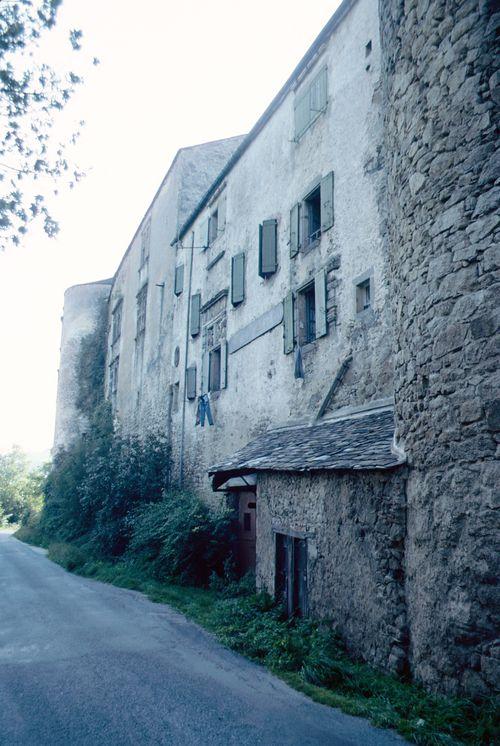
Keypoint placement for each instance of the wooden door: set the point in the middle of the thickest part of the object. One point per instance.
(247, 532)
(291, 574)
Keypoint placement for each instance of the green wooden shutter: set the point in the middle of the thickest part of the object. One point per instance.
(191, 382)
(288, 330)
(327, 202)
(221, 214)
(302, 110)
(204, 234)
(238, 279)
(223, 365)
(205, 372)
(294, 230)
(179, 279)
(195, 316)
(320, 303)
(268, 248)
(304, 226)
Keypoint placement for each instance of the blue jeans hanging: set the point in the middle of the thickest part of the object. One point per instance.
(204, 409)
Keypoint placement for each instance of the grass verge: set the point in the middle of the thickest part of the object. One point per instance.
(306, 654)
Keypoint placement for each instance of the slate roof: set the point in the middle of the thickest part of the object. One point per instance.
(360, 442)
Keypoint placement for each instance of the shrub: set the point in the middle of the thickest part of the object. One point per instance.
(181, 538)
(67, 555)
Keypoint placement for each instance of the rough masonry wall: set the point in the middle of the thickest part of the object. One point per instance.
(85, 308)
(442, 103)
(355, 528)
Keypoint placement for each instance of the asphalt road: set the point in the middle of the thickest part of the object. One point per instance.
(82, 662)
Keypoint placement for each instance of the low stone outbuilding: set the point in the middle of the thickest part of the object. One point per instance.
(329, 523)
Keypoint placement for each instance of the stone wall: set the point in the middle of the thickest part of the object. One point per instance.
(442, 99)
(355, 529)
(85, 309)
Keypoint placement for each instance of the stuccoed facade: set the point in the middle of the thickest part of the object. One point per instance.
(273, 174)
(335, 263)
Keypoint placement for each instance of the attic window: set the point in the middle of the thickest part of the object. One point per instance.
(310, 102)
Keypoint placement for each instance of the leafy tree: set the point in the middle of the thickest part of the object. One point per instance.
(31, 93)
(20, 486)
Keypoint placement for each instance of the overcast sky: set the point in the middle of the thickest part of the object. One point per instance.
(171, 74)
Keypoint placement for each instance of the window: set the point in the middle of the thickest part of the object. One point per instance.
(113, 378)
(307, 315)
(179, 279)
(195, 315)
(191, 382)
(214, 370)
(363, 296)
(238, 279)
(142, 298)
(311, 218)
(116, 322)
(310, 102)
(213, 224)
(145, 242)
(268, 244)
(305, 319)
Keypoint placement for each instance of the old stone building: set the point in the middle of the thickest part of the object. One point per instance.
(307, 312)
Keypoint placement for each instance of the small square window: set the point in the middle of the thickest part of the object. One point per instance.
(311, 218)
(307, 315)
(214, 370)
(363, 296)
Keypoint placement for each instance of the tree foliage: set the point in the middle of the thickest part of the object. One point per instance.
(20, 487)
(32, 159)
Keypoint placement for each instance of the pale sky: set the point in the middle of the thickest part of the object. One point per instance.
(171, 74)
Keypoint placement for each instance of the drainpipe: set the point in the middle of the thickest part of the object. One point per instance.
(186, 343)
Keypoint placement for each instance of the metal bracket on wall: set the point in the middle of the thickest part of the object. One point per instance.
(335, 386)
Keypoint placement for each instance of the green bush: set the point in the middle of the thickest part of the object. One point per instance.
(67, 555)
(181, 538)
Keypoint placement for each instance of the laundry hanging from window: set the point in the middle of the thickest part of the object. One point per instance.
(203, 411)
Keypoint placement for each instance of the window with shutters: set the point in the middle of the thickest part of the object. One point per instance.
(142, 299)
(311, 219)
(238, 279)
(179, 279)
(145, 242)
(268, 248)
(312, 216)
(214, 370)
(195, 315)
(191, 382)
(116, 322)
(310, 102)
(311, 310)
(307, 315)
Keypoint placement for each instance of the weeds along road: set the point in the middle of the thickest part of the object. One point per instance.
(86, 663)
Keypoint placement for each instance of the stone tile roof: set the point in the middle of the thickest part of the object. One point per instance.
(360, 442)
